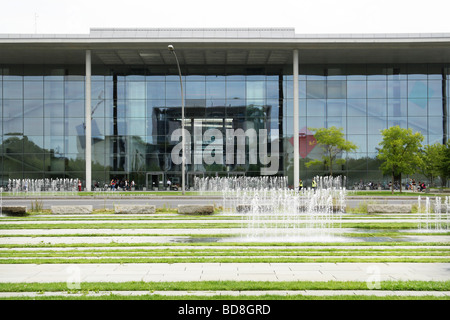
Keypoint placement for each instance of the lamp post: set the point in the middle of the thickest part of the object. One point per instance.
(172, 50)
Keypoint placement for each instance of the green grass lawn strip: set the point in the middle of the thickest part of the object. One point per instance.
(252, 259)
(226, 285)
(214, 244)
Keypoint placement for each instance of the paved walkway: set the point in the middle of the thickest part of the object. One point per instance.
(366, 272)
(116, 272)
(249, 294)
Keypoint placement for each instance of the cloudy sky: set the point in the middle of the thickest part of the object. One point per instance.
(306, 16)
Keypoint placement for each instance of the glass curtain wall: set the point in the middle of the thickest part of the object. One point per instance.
(135, 112)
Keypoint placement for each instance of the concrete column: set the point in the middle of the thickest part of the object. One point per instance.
(88, 120)
(296, 120)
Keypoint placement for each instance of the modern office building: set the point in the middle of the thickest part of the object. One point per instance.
(249, 97)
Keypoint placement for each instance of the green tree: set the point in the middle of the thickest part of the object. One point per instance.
(399, 152)
(333, 143)
(433, 158)
(444, 167)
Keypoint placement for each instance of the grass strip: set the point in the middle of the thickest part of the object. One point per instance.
(267, 297)
(226, 285)
(215, 259)
(214, 244)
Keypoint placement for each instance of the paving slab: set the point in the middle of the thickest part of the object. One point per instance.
(231, 271)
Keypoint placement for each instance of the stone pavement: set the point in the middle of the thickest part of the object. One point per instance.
(159, 272)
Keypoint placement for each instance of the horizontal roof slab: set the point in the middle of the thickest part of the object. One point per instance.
(223, 46)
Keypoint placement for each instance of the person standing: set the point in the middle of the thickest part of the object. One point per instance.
(79, 185)
(314, 184)
(300, 185)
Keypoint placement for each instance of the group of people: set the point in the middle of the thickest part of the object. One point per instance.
(411, 185)
(125, 185)
(313, 185)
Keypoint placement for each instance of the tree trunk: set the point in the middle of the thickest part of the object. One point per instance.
(392, 183)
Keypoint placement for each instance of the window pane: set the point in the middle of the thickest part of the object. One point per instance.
(54, 126)
(215, 90)
(53, 90)
(435, 107)
(376, 89)
(398, 121)
(13, 126)
(135, 90)
(434, 89)
(356, 107)
(74, 108)
(336, 107)
(195, 90)
(235, 90)
(316, 89)
(135, 108)
(376, 107)
(33, 89)
(173, 90)
(417, 107)
(336, 89)
(397, 89)
(54, 108)
(436, 126)
(12, 109)
(357, 125)
(315, 107)
(417, 89)
(359, 140)
(74, 90)
(397, 107)
(376, 124)
(418, 124)
(156, 90)
(33, 108)
(272, 90)
(33, 127)
(12, 90)
(356, 89)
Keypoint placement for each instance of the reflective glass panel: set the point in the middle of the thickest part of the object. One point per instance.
(397, 107)
(235, 90)
(376, 89)
(53, 90)
(418, 124)
(356, 107)
(417, 89)
(397, 89)
(33, 89)
(33, 127)
(356, 89)
(135, 90)
(12, 89)
(74, 90)
(336, 89)
(376, 107)
(316, 89)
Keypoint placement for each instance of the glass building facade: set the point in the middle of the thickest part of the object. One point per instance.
(136, 111)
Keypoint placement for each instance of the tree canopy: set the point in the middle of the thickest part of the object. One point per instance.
(400, 152)
(333, 143)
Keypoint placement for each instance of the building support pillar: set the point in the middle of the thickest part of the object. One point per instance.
(296, 120)
(88, 121)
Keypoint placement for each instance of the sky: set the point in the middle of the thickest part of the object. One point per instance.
(306, 16)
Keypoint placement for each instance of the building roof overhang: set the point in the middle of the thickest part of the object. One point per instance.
(232, 46)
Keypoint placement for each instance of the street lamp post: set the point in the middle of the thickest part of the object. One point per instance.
(172, 50)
